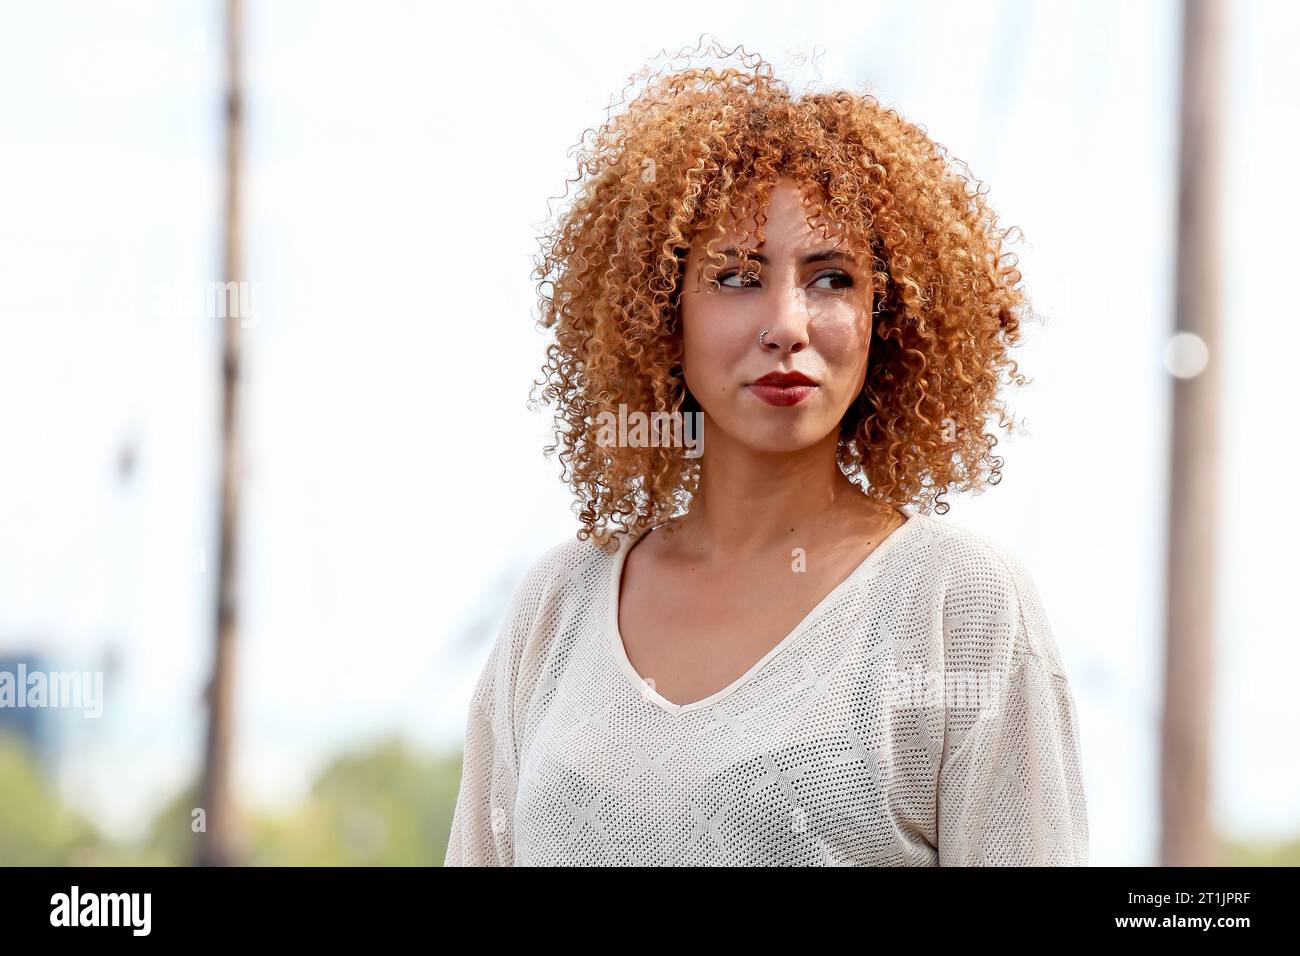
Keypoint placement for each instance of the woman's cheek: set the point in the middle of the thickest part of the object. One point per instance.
(838, 353)
(711, 363)
(845, 352)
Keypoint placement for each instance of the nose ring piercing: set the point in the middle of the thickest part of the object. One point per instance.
(760, 336)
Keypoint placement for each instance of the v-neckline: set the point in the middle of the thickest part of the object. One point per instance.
(619, 650)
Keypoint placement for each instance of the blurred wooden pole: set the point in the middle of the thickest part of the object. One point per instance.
(217, 844)
(1185, 827)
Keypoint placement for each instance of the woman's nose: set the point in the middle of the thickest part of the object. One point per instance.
(786, 328)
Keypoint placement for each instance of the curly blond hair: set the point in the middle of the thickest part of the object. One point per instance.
(701, 145)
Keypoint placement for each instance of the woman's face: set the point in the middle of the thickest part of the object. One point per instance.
(814, 299)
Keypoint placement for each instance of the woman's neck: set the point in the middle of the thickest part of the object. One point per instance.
(750, 502)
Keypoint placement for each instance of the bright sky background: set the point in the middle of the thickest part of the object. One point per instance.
(400, 158)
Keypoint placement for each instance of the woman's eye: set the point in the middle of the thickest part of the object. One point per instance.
(745, 278)
(836, 276)
(740, 279)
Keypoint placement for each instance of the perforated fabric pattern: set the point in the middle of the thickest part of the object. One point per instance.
(919, 716)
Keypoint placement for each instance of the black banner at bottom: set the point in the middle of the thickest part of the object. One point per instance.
(301, 905)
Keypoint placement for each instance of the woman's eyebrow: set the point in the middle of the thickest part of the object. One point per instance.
(821, 255)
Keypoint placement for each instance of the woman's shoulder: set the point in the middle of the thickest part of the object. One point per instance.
(550, 583)
(566, 569)
(569, 560)
(958, 549)
(992, 607)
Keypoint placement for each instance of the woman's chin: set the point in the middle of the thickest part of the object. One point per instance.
(782, 439)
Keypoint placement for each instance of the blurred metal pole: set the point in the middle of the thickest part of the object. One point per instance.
(1185, 828)
(216, 845)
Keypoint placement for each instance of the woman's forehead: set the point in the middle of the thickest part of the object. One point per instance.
(793, 214)
(794, 237)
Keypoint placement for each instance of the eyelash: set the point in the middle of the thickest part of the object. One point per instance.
(835, 273)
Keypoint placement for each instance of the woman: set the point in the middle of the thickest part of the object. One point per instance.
(761, 654)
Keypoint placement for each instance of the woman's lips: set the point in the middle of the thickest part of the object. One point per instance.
(782, 394)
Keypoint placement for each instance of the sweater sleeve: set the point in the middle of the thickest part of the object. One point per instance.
(482, 824)
(1010, 789)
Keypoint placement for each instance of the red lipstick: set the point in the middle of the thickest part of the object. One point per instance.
(783, 388)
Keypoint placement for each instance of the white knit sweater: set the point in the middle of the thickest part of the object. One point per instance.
(919, 715)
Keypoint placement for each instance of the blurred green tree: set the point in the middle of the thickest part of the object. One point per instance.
(380, 806)
(36, 829)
